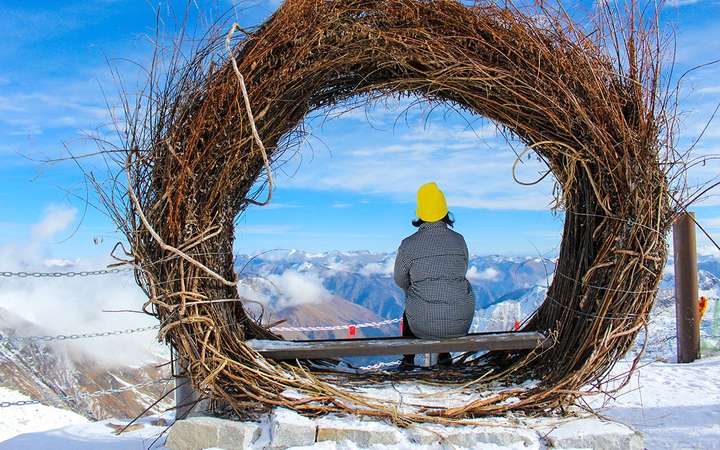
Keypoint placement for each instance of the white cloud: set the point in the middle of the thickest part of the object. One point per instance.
(75, 305)
(708, 90)
(488, 274)
(678, 3)
(36, 111)
(697, 45)
(375, 268)
(55, 220)
(707, 249)
(467, 158)
(713, 222)
(340, 205)
(451, 133)
(378, 114)
(296, 288)
(338, 265)
(471, 177)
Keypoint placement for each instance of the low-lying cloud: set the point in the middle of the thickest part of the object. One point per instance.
(295, 289)
(75, 305)
(487, 274)
(376, 268)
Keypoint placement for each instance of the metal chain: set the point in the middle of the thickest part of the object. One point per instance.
(84, 273)
(59, 399)
(65, 337)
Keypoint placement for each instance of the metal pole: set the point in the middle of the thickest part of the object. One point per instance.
(686, 288)
(185, 396)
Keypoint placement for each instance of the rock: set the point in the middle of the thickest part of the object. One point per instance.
(474, 436)
(199, 433)
(499, 436)
(290, 429)
(237, 435)
(593, 433)
(471, 436)
(363, 433)
(426, 434)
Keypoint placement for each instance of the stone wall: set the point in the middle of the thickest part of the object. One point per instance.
(286, 429)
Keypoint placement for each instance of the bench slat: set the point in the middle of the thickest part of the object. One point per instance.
(285, 350)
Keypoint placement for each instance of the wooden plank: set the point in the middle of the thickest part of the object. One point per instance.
(285, 350)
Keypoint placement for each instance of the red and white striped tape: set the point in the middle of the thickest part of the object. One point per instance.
(352, 328)
(348, 327)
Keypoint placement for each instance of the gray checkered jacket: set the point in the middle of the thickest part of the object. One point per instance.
(430, 267)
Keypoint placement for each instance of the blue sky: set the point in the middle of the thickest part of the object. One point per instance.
(357, 173)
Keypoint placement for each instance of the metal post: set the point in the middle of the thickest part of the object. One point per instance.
(186, 398)
(686, 288)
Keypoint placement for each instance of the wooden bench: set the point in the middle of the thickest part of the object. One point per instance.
(335, 348)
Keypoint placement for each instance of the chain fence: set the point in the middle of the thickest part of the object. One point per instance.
(63, 398)
(65, 337)
(83, 273)
(350, 327)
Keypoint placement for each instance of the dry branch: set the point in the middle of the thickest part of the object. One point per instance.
(586, 100)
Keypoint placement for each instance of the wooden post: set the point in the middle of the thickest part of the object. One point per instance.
(686, 288)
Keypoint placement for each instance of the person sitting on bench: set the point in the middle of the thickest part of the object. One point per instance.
(430, 267)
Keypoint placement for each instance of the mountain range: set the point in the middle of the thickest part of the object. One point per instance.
(295, 288)
(365, 279)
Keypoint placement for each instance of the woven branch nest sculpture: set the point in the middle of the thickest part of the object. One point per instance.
(594, 116)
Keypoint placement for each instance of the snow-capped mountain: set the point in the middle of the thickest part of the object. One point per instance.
(506, 289)
(661, 340)
(304, 289)
(365, 279)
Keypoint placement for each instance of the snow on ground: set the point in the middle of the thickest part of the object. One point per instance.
(89, 436)
(31, 418)
(676, 406)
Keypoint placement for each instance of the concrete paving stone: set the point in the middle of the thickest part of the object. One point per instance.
(592, 433)
(198, 433)
(473, 436)
(363, 433)
(290, 429)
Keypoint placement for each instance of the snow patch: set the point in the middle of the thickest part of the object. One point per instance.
(16, 420)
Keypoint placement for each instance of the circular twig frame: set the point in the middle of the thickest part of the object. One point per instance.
(195, 153)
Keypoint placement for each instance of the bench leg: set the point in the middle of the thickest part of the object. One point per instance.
(429, 359)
